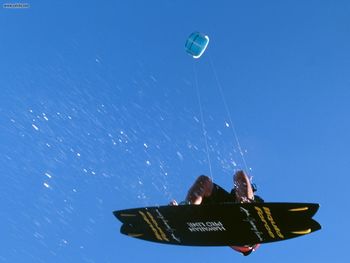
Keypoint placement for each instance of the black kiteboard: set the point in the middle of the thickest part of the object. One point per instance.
(219, 224)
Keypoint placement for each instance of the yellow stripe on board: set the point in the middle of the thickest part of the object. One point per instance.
(302, 232)
(161, 232)
(299, 209)
(157, 235)
(127, 215)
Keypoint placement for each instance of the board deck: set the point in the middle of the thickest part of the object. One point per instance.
(219, 224)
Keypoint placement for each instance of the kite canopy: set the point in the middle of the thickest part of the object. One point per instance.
(196, 44)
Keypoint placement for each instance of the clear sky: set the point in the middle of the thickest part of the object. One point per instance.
(99, 112)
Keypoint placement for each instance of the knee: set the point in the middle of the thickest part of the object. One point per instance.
(202, 187)
(240, 176)
(203, 179)
(205, 183)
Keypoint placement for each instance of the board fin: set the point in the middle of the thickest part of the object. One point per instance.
(135, 235)
(127, 215)
(302, 232)
(299, 209)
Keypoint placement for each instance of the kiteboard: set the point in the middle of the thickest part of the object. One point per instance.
(222, 224)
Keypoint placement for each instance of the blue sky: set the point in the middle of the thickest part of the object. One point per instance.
(99, 112)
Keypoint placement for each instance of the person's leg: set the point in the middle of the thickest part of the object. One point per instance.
(243, 194)
(202, 187)
(243, 188)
